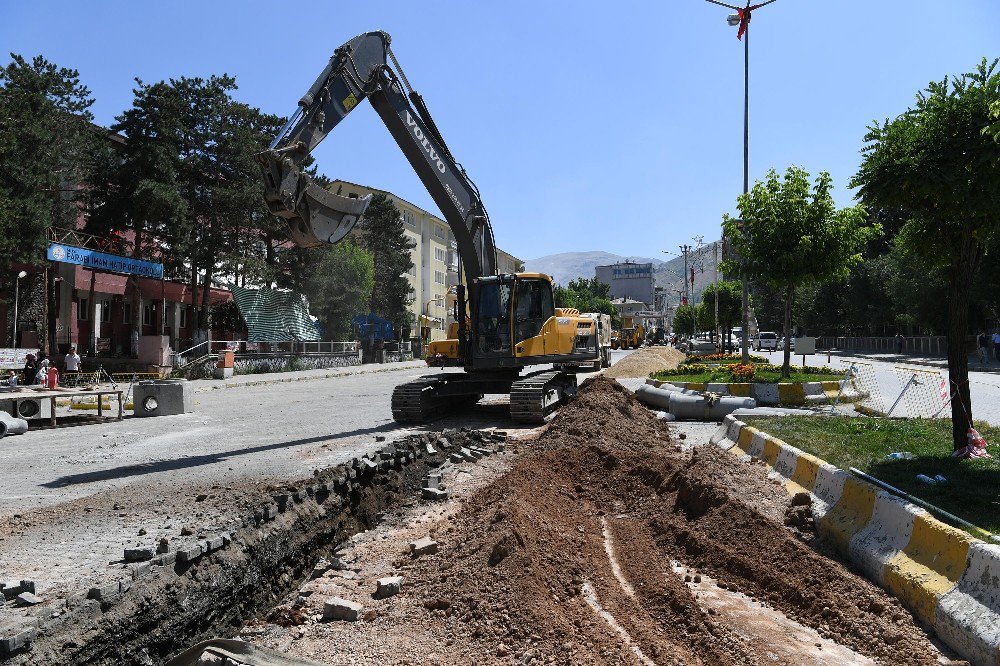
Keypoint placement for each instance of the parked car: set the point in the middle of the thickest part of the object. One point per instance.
(781, 344)
(767, 340)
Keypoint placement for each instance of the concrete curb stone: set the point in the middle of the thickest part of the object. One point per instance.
(948, 578)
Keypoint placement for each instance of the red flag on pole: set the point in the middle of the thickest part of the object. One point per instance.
(744, 15)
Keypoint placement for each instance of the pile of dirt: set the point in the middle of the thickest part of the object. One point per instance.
(570, 557)
(640, 363)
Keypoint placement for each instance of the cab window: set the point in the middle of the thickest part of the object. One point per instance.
(532, 307)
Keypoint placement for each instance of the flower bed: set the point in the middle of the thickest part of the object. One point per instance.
(738, 373)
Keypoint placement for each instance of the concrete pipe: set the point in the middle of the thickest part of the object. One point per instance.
(11, 425)
(692, 406)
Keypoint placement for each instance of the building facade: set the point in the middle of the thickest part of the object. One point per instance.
(630, 281)
(435, 259)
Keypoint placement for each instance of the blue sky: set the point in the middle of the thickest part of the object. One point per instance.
(586, 125)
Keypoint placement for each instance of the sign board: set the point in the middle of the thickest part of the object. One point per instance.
(102, 261)
(804, 346)
(14, 359)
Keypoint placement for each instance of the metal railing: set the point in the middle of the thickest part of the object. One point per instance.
(243, 348)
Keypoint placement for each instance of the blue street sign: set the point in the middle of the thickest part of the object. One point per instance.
(102, 261)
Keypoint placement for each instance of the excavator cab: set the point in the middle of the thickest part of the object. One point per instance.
(511, 310)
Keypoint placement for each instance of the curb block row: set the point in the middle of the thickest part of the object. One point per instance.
(288, 380)
(948, 578)
(806, 393)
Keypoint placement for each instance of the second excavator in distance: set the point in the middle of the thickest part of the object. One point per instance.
(504, 322)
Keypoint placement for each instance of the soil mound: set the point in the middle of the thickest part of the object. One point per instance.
(569, 558)
(640, 363)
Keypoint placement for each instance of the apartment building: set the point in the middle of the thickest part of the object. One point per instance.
(435, 259)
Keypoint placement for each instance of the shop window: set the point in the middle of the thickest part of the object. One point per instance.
(184, 316)
(106, 312)
(127, 314)
(147, 315)
(83, 309)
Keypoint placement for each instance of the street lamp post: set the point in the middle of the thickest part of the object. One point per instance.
(427, 316)
(742, 19)
(17, 292)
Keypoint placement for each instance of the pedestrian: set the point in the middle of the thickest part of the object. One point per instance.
(42, 376)
(996, 343)
(28, 373)
(899, 343)
(983, 343)
(72, 360)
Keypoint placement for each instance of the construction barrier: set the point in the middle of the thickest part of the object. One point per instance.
(948, 578)
(806, 393)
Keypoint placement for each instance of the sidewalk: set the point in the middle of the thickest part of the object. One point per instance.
(931, 361)
(201, 385)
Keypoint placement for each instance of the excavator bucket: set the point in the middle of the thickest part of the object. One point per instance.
(315, 215)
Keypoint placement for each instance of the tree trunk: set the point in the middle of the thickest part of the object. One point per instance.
(786, 367)
(963, 270)
(206, 301)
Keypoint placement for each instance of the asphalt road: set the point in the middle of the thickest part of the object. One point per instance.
(72, 498)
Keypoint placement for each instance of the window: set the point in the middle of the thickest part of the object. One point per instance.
(439, 231)
(439, 277)
(412, 270)
(147, 315)
(83, 309)
(439, 253)
(106, 312)
(127, 314)
(184, 316)
(410, 219)
(352, 195)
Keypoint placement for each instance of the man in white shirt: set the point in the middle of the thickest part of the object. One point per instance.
(72, 360)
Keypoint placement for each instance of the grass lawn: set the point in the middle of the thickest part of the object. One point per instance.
(973, 489)
(722, 376)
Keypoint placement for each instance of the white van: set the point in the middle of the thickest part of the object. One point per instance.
(767, 340)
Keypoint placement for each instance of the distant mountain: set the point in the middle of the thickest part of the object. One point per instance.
(567, 266)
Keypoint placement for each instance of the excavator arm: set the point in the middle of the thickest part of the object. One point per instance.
(365, 67)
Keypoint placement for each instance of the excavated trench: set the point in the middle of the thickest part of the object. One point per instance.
(171, 607)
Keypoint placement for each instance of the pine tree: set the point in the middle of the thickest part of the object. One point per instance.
(382, 235)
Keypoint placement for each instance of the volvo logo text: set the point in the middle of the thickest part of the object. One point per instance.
(417, 132)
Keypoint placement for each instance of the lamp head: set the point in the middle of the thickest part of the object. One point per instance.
(22, 274)
(733, 20)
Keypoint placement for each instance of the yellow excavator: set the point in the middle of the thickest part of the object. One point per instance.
(503, 322)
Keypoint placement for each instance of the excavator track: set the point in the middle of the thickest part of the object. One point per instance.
(417, 401)
(533, 397)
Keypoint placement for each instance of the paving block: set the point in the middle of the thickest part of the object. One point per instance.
(226, 538)
(368, 465)
(336, 608)
(140, 570)
(140, 554)
(434, 494)
(468, 455)
(433, 480)
(388, 586)
(425, 546)
(443, 442)
(28, 586)
(28, 599)
(430, 450)
(300, 495)
(17, 634)
(456, 457)
(270, 512)
(281, 500)
(104, 592)
(189, 554)
(166, 559)
(11, 588)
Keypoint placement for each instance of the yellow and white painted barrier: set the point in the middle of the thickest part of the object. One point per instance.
(948, 578)
(790, 395)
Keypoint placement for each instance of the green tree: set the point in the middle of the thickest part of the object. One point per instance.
(730, 304)
(187, 185)
(383, 237)
(794, 235)
(587, 295)
(336, 280)
(46, 145)
(685, 319)
(938, 161)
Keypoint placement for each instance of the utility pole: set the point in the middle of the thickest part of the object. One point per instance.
(742, 19)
